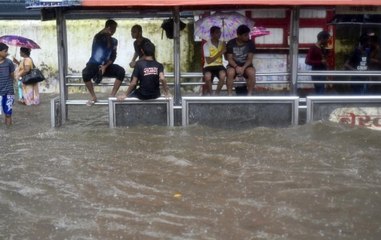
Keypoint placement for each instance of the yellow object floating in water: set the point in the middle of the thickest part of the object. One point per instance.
(177, 195)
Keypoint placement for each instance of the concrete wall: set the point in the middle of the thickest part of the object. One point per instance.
(44, 33)
(81, 33)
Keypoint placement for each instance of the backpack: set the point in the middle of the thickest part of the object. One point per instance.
(167, 26)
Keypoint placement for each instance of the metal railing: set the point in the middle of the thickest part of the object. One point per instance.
(189, 75)
(348, 74)
(287, 74)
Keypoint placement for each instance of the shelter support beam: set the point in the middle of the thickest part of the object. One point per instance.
(176, 57)
(62, 61)
(294, 46)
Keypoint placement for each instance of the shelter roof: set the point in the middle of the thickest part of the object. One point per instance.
(189, 3)
(15, 10)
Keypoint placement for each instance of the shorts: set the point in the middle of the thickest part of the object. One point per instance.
(214, 70)
(114, 70)
(7, 102)
(136, 94)
(244, 74)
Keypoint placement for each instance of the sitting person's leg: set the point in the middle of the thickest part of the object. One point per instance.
(231, 73)
(250, 79)
(119, 73)
(221, 79)
(207, 87)
(87, 74)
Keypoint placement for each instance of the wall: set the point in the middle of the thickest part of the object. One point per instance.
(80, 34)
(44, 33)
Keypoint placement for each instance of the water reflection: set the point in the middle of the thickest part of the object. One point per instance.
(86, 181)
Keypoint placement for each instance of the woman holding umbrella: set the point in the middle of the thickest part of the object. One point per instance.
(30, 92)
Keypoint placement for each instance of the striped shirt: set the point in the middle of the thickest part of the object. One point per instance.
(6, 82)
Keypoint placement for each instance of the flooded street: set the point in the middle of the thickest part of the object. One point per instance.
(87, 181)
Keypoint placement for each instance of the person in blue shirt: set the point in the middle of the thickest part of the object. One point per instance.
(101, 62)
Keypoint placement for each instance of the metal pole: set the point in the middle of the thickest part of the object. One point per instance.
(62, 61)
(294, 48)
(176, 56)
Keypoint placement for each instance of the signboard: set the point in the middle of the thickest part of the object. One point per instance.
(240, 112)
(52, 3)
(354, 111)
(132, 112)
(368, 117)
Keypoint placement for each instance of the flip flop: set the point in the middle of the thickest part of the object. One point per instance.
(90, 103)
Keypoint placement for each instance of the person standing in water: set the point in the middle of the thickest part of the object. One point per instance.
(30, 92)
(7, 92)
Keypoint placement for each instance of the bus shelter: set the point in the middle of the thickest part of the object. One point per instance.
(61, 9)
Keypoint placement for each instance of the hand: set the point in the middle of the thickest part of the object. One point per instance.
(121, 97)
(132, 64)
(15, 61)
(167, 95)
(102, 68)
(239, 70)
(223, 50)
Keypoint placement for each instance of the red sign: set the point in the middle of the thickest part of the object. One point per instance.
(369, 121)
(368, 117)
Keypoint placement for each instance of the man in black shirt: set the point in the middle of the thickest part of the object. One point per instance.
(137, 33)
(240, 53)
(147, 76)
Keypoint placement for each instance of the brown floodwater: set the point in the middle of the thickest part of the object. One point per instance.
(87, 181)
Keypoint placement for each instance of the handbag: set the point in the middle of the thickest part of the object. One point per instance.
(34, 76)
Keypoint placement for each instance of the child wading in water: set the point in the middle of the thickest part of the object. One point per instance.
(7, 94)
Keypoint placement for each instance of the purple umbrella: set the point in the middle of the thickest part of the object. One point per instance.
(19, 41)
(258, 32)
(227, 21)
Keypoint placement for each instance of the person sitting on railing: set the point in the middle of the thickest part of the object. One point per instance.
(316, 58)
(146, 77)
(213, 51)
(101, 62)
(359, 60)
(137, 34)
(240, 53)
